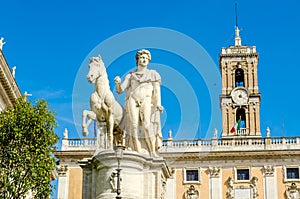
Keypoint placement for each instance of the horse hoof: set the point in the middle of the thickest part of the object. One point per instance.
(154, 155)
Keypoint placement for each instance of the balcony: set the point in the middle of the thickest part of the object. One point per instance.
(79, 144)
(201, 145)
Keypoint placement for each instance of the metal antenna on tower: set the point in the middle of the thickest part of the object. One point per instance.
(236, 16)
(237, 40)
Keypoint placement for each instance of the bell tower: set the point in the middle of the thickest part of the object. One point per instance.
(240, 98)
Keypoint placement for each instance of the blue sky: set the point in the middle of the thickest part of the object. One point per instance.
(50, 42)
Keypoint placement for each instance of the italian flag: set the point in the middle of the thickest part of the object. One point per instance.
(236, 127)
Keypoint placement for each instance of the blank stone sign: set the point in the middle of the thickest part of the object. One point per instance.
(242, 193)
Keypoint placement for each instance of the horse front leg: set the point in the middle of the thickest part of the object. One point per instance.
(90, 115)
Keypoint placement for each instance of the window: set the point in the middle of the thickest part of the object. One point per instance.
(191, 175)
(291, 173)
(241, 115)
(239, 77)
(242, 174)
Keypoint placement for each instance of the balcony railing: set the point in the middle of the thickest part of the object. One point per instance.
(79, 144)
(268, 143)
(274, 143)
(242, 131)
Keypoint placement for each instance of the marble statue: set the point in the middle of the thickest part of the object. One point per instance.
(26, 95)
(268, 132)
(13, 71)
(104, 107)
(66, 132)
(1, 43)
(215, 133)
(143, 104)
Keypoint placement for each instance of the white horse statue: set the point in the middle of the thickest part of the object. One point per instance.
(103, 105)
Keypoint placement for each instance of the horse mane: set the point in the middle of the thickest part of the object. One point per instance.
(99, 63)
(97, 60)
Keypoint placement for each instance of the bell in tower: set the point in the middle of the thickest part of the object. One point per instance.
(239, 76)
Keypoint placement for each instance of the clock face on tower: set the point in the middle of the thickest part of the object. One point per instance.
(240, 96)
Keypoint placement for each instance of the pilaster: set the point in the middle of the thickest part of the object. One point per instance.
(171, 186)
(63, 182)
(270, 182)
(215, 182)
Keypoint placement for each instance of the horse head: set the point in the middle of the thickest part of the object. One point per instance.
(96, 69)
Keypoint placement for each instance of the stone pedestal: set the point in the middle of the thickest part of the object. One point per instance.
(141, 176)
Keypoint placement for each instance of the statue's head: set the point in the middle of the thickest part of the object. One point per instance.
(96, 69)
(142, 52)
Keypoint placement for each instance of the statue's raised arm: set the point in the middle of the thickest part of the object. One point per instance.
(118, 84)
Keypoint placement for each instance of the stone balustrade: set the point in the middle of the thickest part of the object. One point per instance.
(268, 143)
(78, 144)
(242, 131)
(239, 50)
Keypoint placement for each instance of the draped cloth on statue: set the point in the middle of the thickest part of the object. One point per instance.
(139, 86)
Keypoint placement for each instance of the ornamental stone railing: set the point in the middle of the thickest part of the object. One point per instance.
(78, 144)
(274, 143)
(214, 144)
(239, 50)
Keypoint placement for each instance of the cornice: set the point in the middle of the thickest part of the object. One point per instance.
(8, 83)
(232, 155)
(239, 55)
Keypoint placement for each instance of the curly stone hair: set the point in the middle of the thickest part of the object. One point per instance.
(141, 52)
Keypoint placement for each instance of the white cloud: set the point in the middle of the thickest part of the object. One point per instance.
(67, 120)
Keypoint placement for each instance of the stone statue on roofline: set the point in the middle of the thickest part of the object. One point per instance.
(1, 43)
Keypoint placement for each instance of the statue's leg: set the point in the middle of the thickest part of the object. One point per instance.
(118, 115)
(133, 113)
(91, 116)
(95, 102)
(110, 129)
(110, 118)
(149, 134)
(83, 124)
